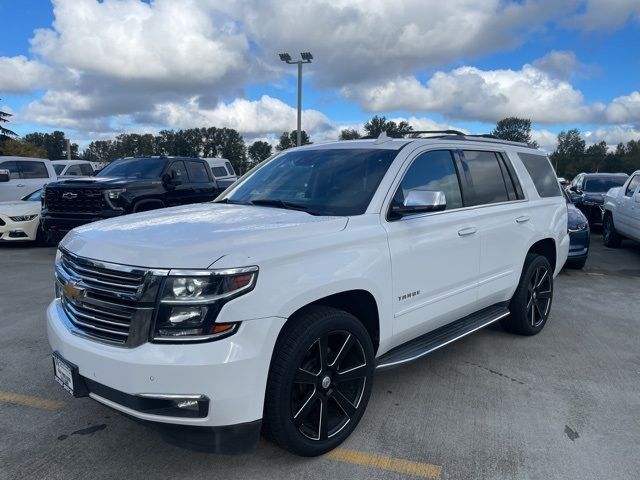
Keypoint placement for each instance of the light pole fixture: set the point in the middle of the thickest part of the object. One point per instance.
(306, 58)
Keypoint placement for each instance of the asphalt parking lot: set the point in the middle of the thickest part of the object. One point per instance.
(562, 405)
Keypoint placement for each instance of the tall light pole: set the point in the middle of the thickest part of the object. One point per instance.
(306, 58)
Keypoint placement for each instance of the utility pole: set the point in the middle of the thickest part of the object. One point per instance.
(306, 58)
(68, 149)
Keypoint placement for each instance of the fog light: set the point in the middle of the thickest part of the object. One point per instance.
(187, 404)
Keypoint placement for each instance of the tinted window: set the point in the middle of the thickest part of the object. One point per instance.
(197, 172)
(633, 184)
(219, 171)
(230, 168)
(33, 197)
(542, 174)
(486, 177)
(331, 181)
(86, 169)
(179, 172)
(33, 170)
(58, 168)
(14, 172)
(603, 184)
(134, 168)
(432, 171)
(74, 170)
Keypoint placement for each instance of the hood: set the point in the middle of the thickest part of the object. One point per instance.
(576, 217)
(194, 236)
(20, 207)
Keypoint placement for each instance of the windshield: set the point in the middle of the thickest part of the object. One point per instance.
(322, 182)
(58, 169)
(603, 184)
(134, 168)
(33, 197)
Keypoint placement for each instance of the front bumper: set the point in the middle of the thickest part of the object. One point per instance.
(579, 246)
(231, 373)
(18, 231)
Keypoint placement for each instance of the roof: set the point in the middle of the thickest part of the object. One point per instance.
(605, 174)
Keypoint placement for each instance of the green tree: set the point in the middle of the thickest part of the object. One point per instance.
(349, 134)
(290, 140)
(5, 133)
(55, 144)
(231, 146)
(18, 148)
(568, 157)
(595, 156)
(101, 151)
(514, 129)
(259, 151)
(377, 125)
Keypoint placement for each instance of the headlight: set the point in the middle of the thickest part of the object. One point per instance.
(191, 301)
(23, 218)
(579, 227)
(115, 193)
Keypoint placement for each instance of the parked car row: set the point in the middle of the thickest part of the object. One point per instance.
(74, 196)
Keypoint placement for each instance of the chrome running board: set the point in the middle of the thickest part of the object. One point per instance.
(425, 344)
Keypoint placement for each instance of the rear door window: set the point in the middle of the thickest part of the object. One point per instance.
(86, 169)
(485, 174)
(542, 174)
(230, 168)
(31, 170)
(74, 170)
(197, 172)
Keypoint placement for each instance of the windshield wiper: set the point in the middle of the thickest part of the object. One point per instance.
(268, 202)
(226, 200)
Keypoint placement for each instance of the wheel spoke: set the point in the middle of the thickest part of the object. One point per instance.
(354, 373)
(323, 427)
(346, 347)
(344, 403)
(533, 314)
(537, 307)
(546, 294)
(302, 376)
(306, 408)
(544, 275)
(323, 345)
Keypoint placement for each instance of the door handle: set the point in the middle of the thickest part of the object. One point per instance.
(467, 231)
(20, 185)
(522, 219)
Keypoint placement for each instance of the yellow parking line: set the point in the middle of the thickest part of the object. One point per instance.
(391, 464)
(29, 401)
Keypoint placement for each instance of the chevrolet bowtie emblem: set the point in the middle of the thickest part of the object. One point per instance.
(69, 195)
(72, 290)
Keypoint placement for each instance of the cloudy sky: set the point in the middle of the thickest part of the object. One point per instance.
(99, 68)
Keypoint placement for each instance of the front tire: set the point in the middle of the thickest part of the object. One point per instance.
(531, 303)
(610, 236)
(319, 382)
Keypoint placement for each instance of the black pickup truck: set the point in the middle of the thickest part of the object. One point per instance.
(128, 185)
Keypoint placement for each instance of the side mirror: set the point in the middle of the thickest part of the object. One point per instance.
(5, 175)
(420, 201)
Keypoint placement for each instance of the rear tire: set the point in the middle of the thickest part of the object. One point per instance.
(531, 303)
(610, 237)
(319, 382)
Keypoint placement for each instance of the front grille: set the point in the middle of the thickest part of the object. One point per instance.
(81, 200)
(108, 302)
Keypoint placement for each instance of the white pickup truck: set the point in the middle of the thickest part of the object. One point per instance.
(21, 176)
(622, 212)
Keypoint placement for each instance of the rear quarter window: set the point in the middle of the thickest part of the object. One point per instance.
(542, 174)
(219, 172)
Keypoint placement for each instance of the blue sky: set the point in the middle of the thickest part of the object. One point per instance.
(97, 69)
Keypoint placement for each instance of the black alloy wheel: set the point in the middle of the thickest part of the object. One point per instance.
(328, 386)
(319, 382)
(539, 296)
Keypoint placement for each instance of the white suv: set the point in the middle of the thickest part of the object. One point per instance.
(273, 306)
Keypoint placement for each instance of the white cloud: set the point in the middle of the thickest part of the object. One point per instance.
(604, 14)
(485, 95)
(624, 109)
(545, 139)
(613, 135)
(253, 117)
(560, 64)
(20, 75)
